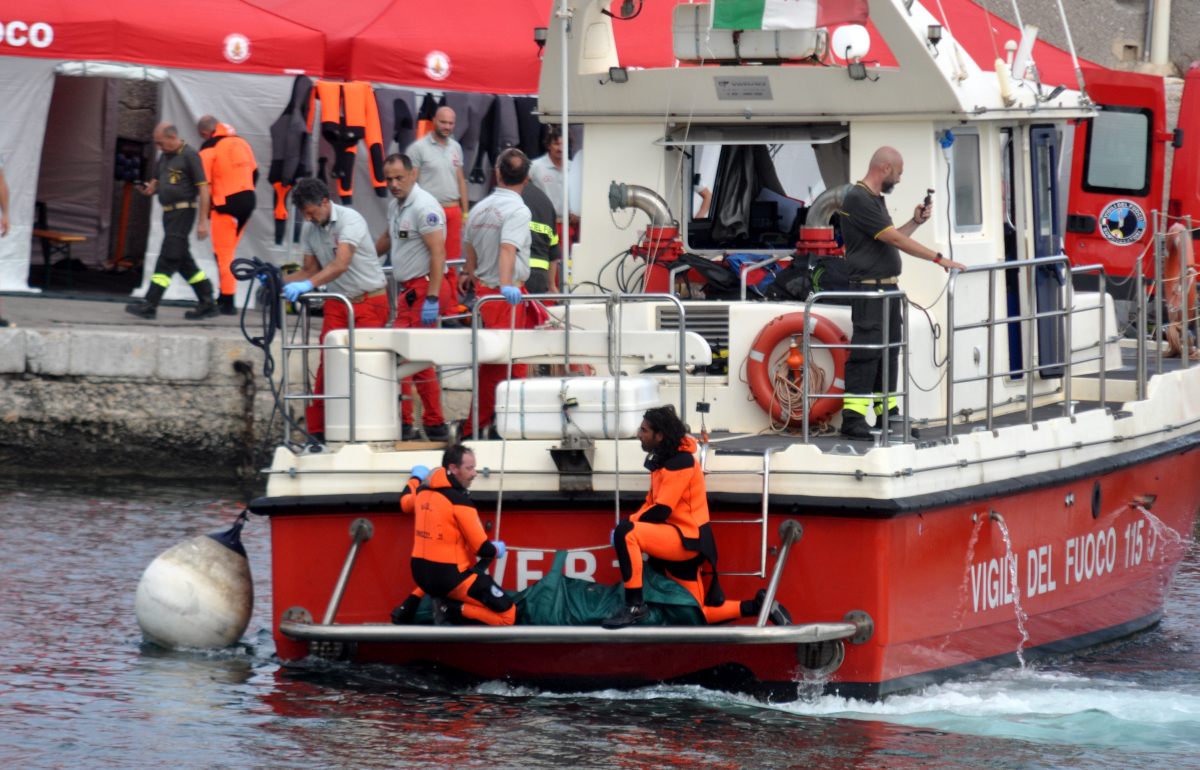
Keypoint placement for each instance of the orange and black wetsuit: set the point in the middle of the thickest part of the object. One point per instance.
(672, 528)
(349, 114)
(289, 153)
(232, 173)
(448, 540)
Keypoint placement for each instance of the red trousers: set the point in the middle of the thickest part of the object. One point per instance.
(371, 313)
(497, 315)
(410, 299)
(454, 227)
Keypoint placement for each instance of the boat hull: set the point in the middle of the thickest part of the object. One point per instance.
(1090, 558)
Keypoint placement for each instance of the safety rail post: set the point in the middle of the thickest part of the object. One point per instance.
(951, 285)
(790, 532)
(745, 269)
(1160, 249)
(991, 350)
(1140, 356)
(1189, 309)
(807, 346)
(304, 299)
(671, 277)
(766, 506)
(567, 300)
(885, 371)
(361, 530)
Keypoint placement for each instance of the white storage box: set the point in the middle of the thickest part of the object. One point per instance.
(695, 41)
(534, 408)
(375, 396)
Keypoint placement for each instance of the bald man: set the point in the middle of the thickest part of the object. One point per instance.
(438, 157)
(873, 246)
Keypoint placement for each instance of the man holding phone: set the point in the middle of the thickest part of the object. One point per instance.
(182, 189)
(873, 246)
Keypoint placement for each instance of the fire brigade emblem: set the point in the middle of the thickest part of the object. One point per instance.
(237, 48)
(437, 65)
(1122, 222)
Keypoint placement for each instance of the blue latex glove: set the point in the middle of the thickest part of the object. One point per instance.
(420, 472)
(429, 311)
(501, 548)
(295, 289)
(512, 295)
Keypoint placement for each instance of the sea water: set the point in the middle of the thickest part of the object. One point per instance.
(79, 688)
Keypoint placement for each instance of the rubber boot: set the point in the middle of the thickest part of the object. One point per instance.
(205, 307)
(148, 307)
(225, 304)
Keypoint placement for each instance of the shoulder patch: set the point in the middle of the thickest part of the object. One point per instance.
(432, 218)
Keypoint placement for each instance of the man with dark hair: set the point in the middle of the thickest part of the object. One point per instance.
(182, 187)
(232, 173)
(339, 254)
(873, 246)
(451, 552)
(672, 528)
(546, 173)
(415, 244)
(497, 245)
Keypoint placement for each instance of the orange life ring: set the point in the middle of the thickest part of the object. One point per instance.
(758, 373)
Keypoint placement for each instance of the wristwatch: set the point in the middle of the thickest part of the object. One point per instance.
(937, 259)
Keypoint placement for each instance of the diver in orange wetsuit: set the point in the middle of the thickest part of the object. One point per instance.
(232, 173)
(672, 528)
(451, 552)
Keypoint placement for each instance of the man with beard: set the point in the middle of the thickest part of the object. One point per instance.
(672, 528)
(873, 246)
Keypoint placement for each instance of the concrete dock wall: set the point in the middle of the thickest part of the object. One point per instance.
(145, 401)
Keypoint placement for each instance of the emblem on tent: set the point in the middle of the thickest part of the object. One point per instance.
(237, 48)
(437, 65)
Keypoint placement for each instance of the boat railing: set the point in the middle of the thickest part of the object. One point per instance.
(887, 298)
(304, 322)
(616, 301)
(1027, 323)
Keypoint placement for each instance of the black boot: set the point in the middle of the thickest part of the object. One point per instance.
(205, 307)
(854, 426)
(225, 303)
(148, 307)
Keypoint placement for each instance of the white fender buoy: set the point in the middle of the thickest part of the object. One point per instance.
(198, 593)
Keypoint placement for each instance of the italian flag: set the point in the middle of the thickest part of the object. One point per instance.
(786, 14)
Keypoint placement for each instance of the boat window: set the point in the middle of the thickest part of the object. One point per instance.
(968, 194)
(747, 196)
(1117, 156)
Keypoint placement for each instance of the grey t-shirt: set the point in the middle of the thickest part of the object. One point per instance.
(345, 226)
(502, 217)
(179, 174)
(439, 165)
(419, 215)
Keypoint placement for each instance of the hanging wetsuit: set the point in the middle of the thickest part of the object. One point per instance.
(448, 539)
(428, 109)
(289, 152)
(396, 121)
(232, 173)
(349, 115)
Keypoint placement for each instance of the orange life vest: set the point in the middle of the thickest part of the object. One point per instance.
(446, 526)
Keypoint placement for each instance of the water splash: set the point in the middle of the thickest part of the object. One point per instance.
(1162, 531)
(1011, 560)
(964, 590)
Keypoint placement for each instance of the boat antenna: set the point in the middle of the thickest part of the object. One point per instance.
(1071, 47)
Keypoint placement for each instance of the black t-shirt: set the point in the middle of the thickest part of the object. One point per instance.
(864, 217)
(179, 173)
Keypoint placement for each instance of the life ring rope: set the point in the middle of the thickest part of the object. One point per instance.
(761, 374)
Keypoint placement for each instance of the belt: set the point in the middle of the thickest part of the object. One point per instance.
(357, 298)
(178, 206)
(878, 281)
(539, 264)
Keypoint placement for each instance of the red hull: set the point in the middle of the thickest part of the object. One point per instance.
(1081, 579)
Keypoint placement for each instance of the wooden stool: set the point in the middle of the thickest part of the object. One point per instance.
(55, 242)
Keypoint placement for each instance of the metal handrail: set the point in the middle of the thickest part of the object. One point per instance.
(1026, 321)
(566, 300)
(303, 320)
(887, 297)
(746, 267)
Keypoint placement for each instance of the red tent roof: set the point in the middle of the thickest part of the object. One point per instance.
(226, 35)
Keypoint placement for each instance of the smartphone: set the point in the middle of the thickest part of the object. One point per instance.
(928, 197)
